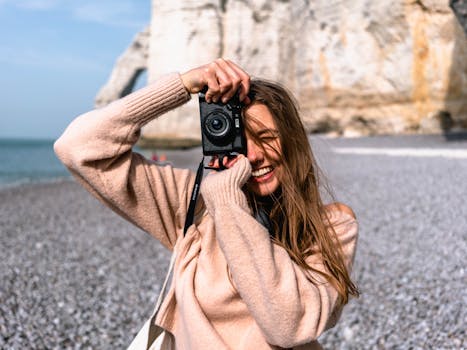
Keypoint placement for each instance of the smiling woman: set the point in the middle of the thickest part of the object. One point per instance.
(265, 264)
(264, 150)
(285, 172)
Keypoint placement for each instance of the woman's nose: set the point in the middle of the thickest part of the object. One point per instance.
(254, 152)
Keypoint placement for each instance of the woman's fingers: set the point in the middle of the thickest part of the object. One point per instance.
(219, 82)
(239, 81)
(214, 162)
(212, 82)
(227, 161)
(223, 78)
(244, 82)
(230, 81)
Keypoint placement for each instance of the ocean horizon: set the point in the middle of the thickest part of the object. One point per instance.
(26, 161)
(29, 161)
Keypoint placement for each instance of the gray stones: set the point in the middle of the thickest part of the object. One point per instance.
(76, 276)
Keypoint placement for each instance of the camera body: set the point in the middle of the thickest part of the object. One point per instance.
(222, 129)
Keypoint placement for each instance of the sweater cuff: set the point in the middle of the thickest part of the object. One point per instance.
(165, 94)
(228, 196)
(225, 188)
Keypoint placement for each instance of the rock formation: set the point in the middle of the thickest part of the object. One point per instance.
(129, 66)
(460, 9)
(357, 67)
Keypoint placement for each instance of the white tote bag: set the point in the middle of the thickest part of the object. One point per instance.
(151, 336)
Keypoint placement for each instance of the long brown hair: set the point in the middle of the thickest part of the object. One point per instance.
(300, 222)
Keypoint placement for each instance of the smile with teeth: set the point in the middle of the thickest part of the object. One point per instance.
(262, 171)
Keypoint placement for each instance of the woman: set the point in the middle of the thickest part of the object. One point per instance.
(275, 281)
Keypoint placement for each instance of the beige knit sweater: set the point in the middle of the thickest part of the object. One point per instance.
(232, 288)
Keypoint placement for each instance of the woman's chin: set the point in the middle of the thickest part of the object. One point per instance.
(263, 188)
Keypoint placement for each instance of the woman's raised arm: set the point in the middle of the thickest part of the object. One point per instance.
(97, 149)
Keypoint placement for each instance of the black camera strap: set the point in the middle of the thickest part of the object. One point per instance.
(195, 192)
(194, 196)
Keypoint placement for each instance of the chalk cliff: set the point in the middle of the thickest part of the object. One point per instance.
(357, 67)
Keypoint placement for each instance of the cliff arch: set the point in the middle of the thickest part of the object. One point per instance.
(128, 68)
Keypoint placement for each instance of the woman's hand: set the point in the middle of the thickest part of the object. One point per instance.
(227, 162)
(225, 187)
(223, 78)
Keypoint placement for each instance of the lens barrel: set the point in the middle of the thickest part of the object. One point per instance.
(218, 127)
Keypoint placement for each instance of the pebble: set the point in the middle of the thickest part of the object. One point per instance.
(76, 276)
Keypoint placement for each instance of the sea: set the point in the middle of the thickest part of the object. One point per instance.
(25, 161)
(29, 161)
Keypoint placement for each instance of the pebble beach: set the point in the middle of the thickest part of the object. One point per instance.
(74, 275)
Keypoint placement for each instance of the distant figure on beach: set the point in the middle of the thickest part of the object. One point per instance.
(266, 264)
(162, 159)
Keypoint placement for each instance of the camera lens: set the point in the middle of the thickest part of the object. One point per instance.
(218, 126)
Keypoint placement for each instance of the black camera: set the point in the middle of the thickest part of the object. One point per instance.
(222, 129)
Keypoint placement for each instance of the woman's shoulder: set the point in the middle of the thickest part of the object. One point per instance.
(342, 218)
(340, 209)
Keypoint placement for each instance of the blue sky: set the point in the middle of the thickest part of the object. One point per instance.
(54, 57)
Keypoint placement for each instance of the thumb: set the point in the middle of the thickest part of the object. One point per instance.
(193, 80)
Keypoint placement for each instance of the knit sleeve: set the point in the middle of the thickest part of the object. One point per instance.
(97, 149)
(289, 307)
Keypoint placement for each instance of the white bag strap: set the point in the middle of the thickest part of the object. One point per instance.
(188, 222)
(154, 330)
(167, 281)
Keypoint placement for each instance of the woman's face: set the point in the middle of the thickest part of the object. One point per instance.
(263, 150)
